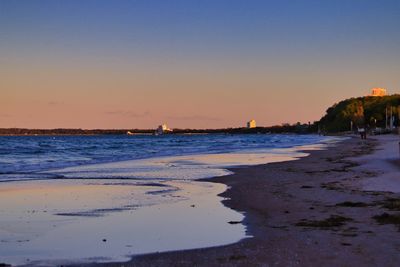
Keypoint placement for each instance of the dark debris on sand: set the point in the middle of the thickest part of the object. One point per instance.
(332, 221)
(387, 218)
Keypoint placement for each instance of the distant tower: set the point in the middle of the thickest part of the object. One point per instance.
(251, 124)
(378, 92)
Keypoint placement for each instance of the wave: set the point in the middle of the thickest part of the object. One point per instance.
(46, 157)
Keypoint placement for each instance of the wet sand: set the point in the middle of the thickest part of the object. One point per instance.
(311, 212)
(56, 222)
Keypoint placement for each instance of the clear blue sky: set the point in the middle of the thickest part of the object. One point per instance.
(191, 54)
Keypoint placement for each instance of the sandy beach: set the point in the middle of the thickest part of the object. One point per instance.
(336, 207)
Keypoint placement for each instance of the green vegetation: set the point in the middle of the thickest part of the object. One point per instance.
(366, 111)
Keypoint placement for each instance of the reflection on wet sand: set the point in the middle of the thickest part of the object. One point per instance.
(51, 221)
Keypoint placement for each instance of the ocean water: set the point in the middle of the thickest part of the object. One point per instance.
(31, 157)
(73, 199)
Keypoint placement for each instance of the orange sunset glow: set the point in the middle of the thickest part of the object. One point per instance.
(87, 72)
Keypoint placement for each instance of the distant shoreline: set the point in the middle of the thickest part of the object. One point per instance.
(296, 128)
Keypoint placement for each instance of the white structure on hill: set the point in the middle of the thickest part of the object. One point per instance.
(251, 124)
(163, 129)
(378, 92)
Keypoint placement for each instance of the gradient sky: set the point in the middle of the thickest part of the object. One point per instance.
(197, 64)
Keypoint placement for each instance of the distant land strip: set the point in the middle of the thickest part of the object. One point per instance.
(295, 128)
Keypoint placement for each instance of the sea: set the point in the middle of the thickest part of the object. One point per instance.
(102, 198)
(35, 157)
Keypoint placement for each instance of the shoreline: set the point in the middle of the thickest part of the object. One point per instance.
(40, 190)
(39, 206)
(307, 212)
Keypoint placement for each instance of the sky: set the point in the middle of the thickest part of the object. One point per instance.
(190, 64)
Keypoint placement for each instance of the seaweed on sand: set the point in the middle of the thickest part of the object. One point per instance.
(392, 204)
(332, 221)
(386, 218)
(352, 204)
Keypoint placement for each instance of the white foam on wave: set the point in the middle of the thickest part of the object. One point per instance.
(189, 167)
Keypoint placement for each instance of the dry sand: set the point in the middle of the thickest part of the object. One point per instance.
(287, 207)
(384, 162)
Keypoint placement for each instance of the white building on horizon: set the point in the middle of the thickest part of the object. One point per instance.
(163, 128)
(251, 124)
(378, 92)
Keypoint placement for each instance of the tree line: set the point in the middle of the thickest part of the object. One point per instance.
(369, 112)
(298, 128)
